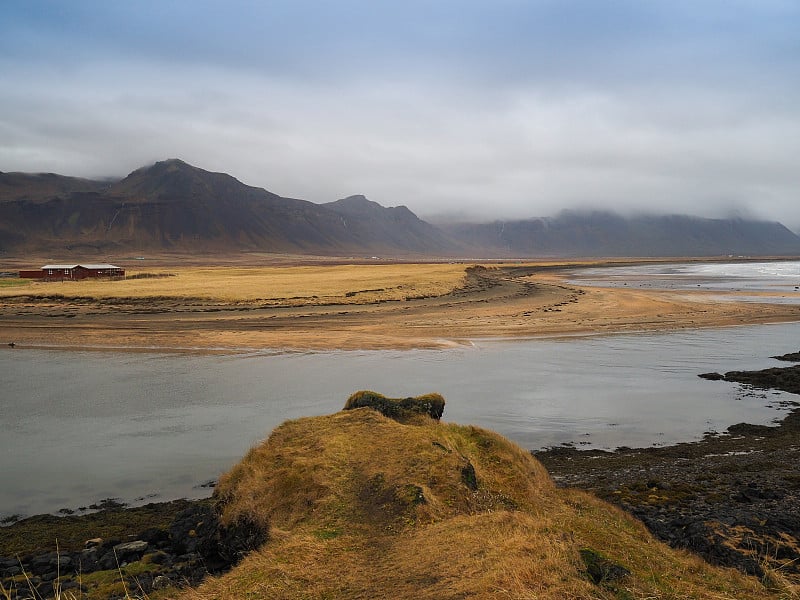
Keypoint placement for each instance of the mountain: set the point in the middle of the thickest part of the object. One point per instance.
(43, 186)
(172, 205)
(398, 227)
(609, 234)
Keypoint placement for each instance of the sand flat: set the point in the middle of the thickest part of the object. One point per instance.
(329, 305)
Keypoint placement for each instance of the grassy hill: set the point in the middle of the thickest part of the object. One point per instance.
(358, 505)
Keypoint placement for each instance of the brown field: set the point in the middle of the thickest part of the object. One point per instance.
(279, 286)
(330, 305)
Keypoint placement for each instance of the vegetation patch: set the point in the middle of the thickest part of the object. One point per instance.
(600, 569)
(286, 285)
(468, 476)
(10, 282)
(384, 510)
(42, 533)
(149, 275)
(327, 534)
(399, 409)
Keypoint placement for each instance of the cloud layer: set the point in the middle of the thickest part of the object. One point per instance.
(502, 109)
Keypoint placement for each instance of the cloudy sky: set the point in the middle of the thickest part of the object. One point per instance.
(498, 108)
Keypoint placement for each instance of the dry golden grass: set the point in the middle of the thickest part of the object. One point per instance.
(331, 306)
(322, 284)
(360, 506)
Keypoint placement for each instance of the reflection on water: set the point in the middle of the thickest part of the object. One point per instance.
(77, 427)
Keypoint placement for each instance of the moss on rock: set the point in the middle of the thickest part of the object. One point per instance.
(399, 409)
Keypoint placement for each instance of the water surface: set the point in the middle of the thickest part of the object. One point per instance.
(77, 427)
(781, 279)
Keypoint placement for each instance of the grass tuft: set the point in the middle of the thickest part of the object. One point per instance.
(399, 409)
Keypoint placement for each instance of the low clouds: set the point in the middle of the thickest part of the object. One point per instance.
(518, 110)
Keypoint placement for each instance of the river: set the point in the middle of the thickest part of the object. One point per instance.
(79, 426)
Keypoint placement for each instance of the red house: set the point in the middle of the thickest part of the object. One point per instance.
(73, 272)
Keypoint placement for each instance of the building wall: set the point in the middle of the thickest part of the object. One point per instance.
(71, 274)
(57, 273)
(83, 273)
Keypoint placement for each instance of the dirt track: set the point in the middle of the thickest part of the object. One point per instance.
(503, 301)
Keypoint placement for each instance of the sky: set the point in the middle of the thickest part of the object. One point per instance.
(468, 109)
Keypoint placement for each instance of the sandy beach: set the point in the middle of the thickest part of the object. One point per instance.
(326, 306)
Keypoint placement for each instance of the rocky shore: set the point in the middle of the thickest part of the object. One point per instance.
(734, 498)
(118, 551)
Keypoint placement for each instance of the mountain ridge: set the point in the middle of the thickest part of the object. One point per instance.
(602, 233)
(174, 206)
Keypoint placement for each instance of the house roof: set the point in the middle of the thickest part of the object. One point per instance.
(93, 267)
(101, 266)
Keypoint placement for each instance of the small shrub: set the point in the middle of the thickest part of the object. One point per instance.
(398, 408)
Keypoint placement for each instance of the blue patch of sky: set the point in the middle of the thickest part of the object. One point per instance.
(495, 41)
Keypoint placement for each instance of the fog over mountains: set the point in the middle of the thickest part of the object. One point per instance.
(174, 206)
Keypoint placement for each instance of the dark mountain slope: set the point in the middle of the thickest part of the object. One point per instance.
(36, 187)
(174, 206)
(608, 234)
(395, 227)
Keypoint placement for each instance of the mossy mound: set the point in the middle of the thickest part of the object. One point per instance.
(399, 409)
(359, 505)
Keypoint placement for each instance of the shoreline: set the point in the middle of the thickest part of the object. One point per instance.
(732, 497)
(497, 302)
(434, 345)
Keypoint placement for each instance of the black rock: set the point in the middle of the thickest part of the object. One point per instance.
(154, 536)
(195, 530)
(107, 561)
(712, 376)
(130, 551)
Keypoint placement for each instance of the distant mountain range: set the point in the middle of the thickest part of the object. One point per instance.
(608, 234)
(173, 206)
